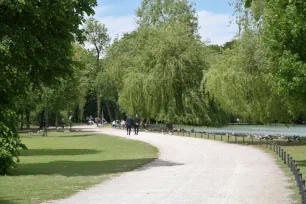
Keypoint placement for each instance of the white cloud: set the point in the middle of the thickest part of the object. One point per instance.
(216, 27)
(117, 25)
(213, 27)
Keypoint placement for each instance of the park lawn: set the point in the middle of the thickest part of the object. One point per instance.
(299, 155)
(61, 164)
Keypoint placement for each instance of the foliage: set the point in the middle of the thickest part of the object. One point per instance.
(35, 49)
(159, 12)
(98, 37)
(10, 142)
(280, 35)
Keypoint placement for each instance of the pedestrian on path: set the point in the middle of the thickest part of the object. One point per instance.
(137, 122)
(128, 125)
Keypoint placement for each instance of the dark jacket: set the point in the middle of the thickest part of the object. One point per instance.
(129, 121)
(137, 121)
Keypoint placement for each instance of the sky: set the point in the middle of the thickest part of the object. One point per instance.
(214, 18)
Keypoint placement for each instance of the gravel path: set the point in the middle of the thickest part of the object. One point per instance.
(191, 170)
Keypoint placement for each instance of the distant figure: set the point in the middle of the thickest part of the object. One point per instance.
(128, 125)
(122, 124)
(114, 124)
(90, 121)
(137, 121)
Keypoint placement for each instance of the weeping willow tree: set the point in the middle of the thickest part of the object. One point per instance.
(158, 69)
(240, 81)
(262, 78)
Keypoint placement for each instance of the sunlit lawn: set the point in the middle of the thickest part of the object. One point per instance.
(61, 164)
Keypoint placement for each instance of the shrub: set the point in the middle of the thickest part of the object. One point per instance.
(10, 143)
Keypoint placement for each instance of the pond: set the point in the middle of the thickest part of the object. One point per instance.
(254, 129)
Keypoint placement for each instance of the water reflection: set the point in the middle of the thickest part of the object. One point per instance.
(254, 129)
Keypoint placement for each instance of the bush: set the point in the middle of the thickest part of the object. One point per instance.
(10, 144)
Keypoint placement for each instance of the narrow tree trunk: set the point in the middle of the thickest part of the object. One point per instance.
(98, 106)
(109, 111)
(42, 116)
(56, 120)
(21, 121)
(117, 111)
(46, 122)
(28, 118)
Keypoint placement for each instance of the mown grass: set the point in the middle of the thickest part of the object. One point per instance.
(61, 164)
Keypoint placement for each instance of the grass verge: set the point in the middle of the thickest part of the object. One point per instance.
(61, 164)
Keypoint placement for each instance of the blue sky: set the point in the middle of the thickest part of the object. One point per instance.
(214, 18)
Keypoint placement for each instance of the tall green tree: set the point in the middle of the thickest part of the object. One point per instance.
(158, 12)
(158, 68)
(35, 47)
(98, 37)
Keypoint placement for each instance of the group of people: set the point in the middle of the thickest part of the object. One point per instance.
(129, 123)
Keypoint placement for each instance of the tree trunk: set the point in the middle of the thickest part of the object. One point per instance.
(42, 115)
(98, 106)
(56, 120)
(28, 118)
(117, 111)
(21, 121)
(46, 122)
(109, 111)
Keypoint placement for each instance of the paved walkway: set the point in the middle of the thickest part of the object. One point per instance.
(191, 170)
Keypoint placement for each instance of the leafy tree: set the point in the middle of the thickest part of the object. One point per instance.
(158, 12)
(35, 47)
(97, 36)
(281, 30)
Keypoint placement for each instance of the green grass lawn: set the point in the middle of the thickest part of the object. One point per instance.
(61, 164)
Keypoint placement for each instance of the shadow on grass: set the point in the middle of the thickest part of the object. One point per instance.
(62, 135)
(5, 201)
(301, 163)
(57, 152)
(88, 168)
(69, 135)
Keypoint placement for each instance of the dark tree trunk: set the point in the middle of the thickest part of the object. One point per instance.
(42, 119)
(98, 106)
(46, 122)
(56, 120)
(21, 121)
(28, 119)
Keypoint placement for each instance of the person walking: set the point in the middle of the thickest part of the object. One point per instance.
(137, 122)
(128, 125)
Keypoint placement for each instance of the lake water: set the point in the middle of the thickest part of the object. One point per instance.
(254, 129)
